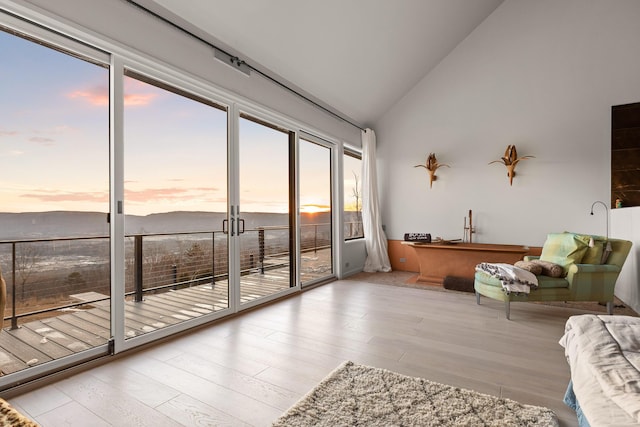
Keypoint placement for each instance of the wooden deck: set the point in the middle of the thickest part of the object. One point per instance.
(41, 341)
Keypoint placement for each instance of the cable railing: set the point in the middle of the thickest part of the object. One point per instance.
(47, 275)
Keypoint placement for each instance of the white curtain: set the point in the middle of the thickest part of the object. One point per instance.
(374, 238)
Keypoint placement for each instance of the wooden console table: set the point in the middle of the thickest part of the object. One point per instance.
(439, 260)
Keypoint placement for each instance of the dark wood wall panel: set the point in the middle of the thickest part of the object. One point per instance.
(625, 154)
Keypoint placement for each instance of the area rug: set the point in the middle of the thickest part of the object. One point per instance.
(362, 395)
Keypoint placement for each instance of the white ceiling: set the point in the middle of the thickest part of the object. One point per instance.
(358, 57)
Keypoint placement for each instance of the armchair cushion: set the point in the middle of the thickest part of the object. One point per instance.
(565, 249)
(546, 282)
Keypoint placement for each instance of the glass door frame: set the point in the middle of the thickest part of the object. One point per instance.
(235, 208)
(25, 25)
(335, 218)
(179, 81)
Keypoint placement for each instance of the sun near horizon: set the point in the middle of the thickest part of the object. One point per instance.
(314, 208)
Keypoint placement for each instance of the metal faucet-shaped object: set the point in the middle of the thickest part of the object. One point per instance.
(470, 229)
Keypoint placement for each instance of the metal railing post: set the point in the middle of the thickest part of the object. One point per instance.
(261, 248)
(14, 319)
(175, 275)
(213, 259)
(315, 238)
(138, 264)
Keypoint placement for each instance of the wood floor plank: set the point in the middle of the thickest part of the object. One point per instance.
(23, 351)
(191, 412)
(111, 405)
(10, 363)
(262, 391)
(53, 334)
(71, 414)
(40, 342)
(226, 400)
(83, 340)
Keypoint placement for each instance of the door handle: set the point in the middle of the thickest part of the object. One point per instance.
(225, 229)
(240, 221)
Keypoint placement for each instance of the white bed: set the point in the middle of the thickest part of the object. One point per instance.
(604, 356)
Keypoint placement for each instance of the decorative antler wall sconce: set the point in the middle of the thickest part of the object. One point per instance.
(510, 160)
(431, 166)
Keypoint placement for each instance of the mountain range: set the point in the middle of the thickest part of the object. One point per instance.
(43, 225)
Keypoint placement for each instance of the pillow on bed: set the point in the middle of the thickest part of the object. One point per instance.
(549, 269)
(565, 249)
(530, 266)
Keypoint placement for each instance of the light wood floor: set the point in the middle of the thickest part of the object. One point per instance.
(249, 369)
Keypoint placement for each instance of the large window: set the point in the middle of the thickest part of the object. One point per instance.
(352, 167)
(138, 204)
(54, 198)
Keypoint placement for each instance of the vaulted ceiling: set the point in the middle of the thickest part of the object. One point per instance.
(358, 57)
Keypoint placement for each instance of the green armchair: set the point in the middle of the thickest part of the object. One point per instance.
(583, 282)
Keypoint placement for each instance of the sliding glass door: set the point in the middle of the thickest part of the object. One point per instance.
(316, 230)
(134, 205)
(54, 197)
(264, 219)
(175, 204)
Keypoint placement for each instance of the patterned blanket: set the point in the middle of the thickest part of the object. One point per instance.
(513, 279)
(10, 417)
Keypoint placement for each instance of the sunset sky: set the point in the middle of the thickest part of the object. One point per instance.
(54, 145)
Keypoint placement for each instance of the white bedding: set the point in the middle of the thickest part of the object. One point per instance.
(604, 356)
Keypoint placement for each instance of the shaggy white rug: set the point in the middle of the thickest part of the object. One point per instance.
(365, 396)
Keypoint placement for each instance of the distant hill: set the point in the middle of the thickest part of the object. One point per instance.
(36, 225)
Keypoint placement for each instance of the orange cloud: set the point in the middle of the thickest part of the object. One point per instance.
(137, 93)
(168, 194)
(138, 99)
(97, 96)
(8, 133)
(148, 195)
(68, 196)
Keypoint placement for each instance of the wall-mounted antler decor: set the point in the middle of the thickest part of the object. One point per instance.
(510, 160)
(431, 166)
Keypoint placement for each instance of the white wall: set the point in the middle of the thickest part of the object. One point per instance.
(625, 224)
(353, 257)
(539, 74)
